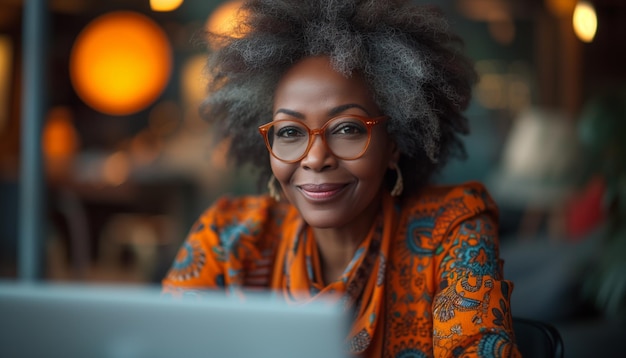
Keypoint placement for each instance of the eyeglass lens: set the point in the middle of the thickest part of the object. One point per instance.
(345, 137)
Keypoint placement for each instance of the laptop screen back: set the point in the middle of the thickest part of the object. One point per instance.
(125, 322)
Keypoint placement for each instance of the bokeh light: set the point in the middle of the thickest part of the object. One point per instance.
(585, 21)
(59, 139)
(120, 63)
(193, 80)
(6, 54)
(116, 168)
(226, 18)
(165, 5)
(60, 142)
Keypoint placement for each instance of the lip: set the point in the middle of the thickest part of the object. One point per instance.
(321, 192)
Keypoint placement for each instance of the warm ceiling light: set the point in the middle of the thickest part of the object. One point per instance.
(165, 5)
(225, 19)
(120, 63)
(585, 21)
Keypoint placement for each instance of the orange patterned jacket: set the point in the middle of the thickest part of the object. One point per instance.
(427, 281)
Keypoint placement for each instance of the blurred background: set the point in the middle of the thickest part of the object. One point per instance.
(105, 163)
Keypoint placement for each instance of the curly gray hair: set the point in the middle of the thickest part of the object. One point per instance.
(406, 53)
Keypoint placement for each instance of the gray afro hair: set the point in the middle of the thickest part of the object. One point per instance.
(406, 53)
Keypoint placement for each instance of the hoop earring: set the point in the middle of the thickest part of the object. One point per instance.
(399, 186)
(271, 186)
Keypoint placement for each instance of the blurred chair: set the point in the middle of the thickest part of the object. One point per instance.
(537, 339)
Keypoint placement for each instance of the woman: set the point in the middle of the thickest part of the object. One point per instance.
(358, 103)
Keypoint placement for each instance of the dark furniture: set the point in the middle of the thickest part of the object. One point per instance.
(537, 339)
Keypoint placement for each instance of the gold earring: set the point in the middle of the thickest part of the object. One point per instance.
(271, 186)
(397, 189)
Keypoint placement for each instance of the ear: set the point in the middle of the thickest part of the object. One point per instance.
(394, 154)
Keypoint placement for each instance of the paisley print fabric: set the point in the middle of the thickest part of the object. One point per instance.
(426, 282)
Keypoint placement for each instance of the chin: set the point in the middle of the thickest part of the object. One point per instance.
(324, 219)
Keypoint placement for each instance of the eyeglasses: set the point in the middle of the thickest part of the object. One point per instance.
(346, 137)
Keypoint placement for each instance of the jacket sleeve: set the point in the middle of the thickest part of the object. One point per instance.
(471, 307)
(222, 247)
(197, 265)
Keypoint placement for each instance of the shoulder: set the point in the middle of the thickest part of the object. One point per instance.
(472, 195)
(465, 198)
(232, 237)
(441, 207)
(233, 222)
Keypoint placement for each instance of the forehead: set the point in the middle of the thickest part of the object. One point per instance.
(312, 82)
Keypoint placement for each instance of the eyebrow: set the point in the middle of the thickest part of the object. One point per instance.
(333, 112)
(290, 113)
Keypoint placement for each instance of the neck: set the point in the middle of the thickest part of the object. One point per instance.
(336, 246)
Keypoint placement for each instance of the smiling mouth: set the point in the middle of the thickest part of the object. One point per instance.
(321, 191)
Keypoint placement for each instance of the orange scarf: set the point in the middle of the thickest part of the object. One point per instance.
(361, 286)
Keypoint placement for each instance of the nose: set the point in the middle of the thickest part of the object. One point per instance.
(318, 157)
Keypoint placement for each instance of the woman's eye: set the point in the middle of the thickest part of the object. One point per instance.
(289, 132)
(349, 128)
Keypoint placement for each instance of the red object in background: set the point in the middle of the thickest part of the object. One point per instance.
(586, 211)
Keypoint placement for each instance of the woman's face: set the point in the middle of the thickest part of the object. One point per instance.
(327, 191)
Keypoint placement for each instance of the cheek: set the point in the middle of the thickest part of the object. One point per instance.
(370, 171)
(282, 171)
(371, 168)
(377, 164)
(378, 158)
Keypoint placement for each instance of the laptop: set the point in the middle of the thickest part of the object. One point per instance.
(72, 320)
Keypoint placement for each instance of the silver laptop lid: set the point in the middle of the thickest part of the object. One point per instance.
(47, 320)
